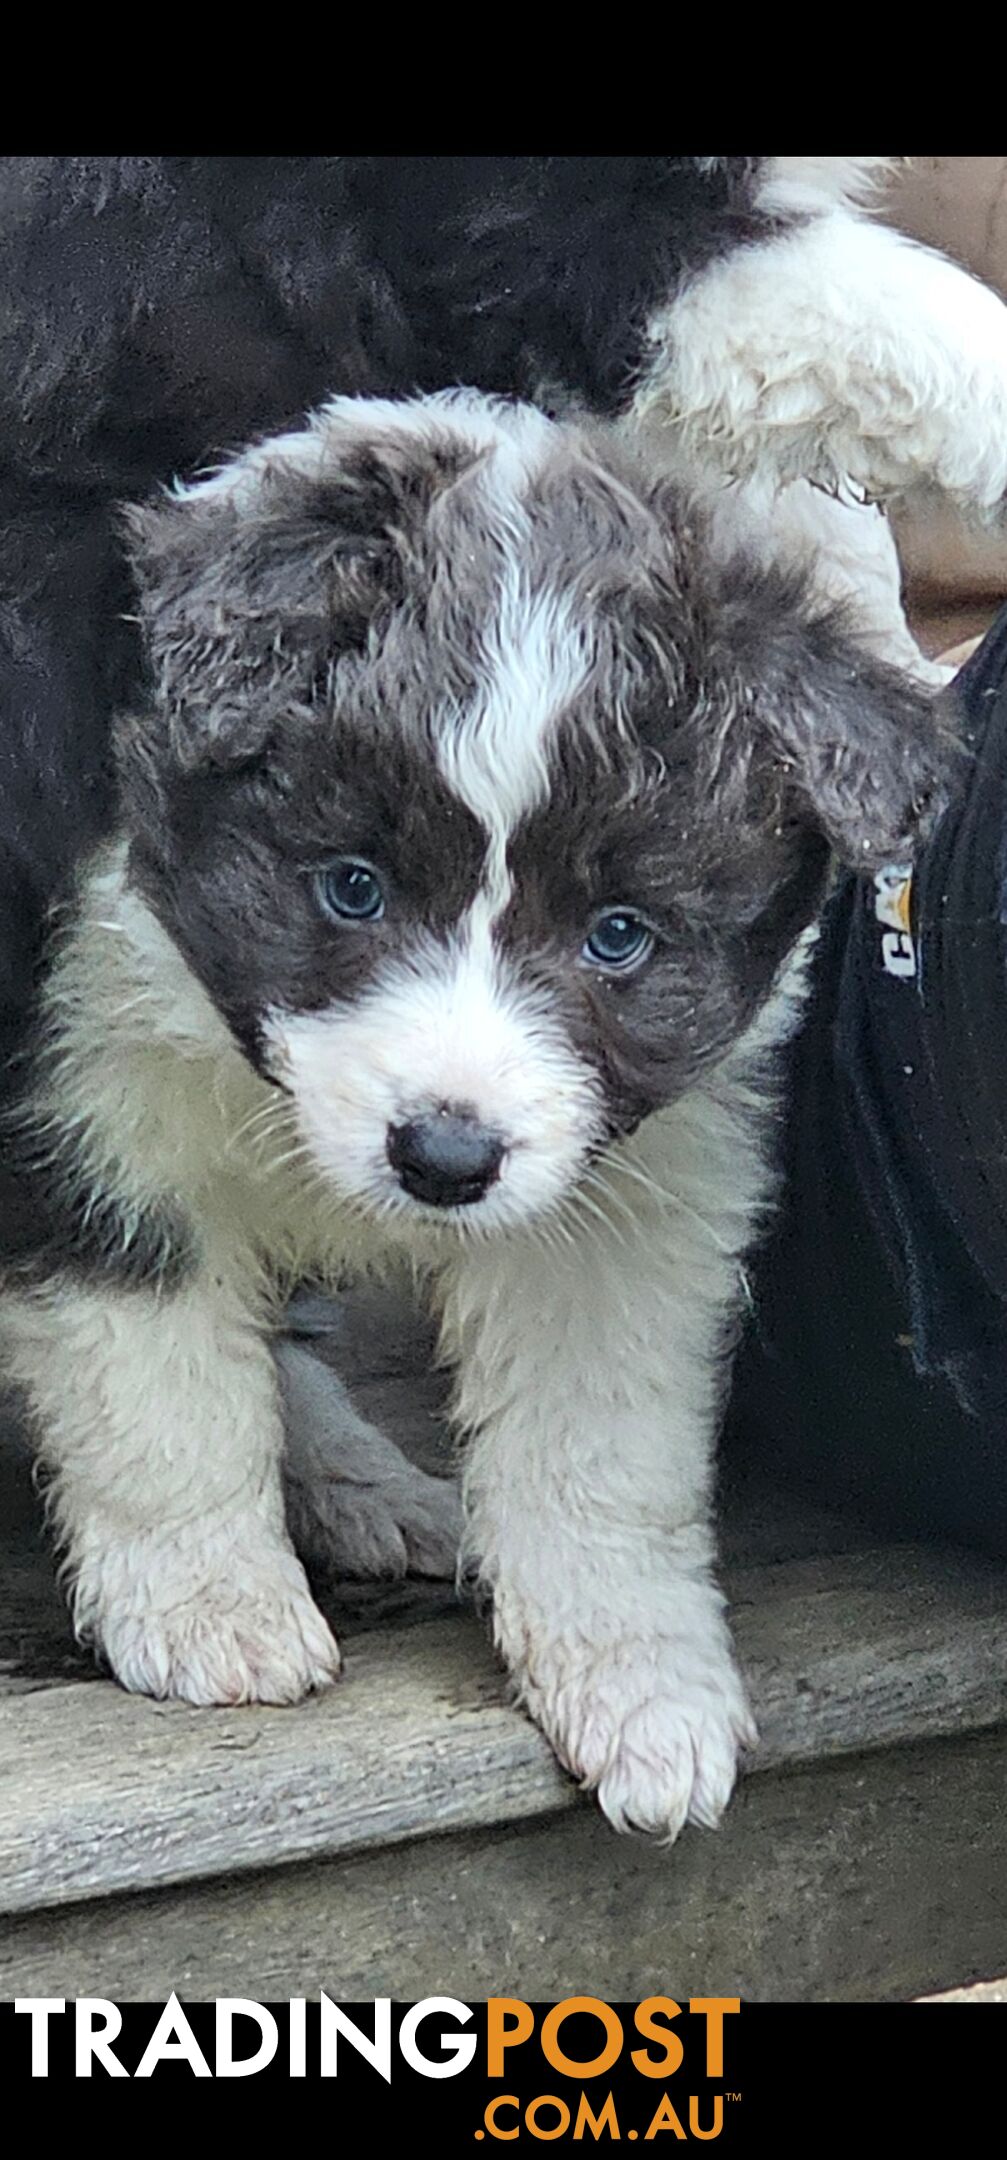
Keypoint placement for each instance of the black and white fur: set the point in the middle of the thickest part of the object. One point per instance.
(489, 657)
(744, 312)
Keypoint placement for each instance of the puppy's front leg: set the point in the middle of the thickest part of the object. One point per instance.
(356, 1504)
(589, 1378)
(159, 1427)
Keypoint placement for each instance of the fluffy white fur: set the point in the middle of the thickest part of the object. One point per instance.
(837, 350)
(841, 356)
(590, 1371)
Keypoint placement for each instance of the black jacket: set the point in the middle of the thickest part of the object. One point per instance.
(875, 1368)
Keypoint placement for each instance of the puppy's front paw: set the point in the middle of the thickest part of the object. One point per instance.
(654, 1729)
(246, 1632)
(356, 1505)
(408, 1524)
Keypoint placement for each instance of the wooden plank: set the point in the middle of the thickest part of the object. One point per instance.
(873, 1877)
(103, 1792)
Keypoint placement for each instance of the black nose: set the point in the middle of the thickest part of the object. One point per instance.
(449, 1160)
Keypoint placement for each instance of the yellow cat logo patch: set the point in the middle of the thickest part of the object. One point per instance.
(892, 899)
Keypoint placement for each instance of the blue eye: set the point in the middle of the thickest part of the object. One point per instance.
(620, 939)
(352, 891)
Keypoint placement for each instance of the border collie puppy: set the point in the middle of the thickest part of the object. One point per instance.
(743, 310)
(465, 831)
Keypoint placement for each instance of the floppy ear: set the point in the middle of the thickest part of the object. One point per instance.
(252, 585)
(873, 753)
(869, 754)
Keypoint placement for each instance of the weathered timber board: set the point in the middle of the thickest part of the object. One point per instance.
(870, 1877)
(103, 1792)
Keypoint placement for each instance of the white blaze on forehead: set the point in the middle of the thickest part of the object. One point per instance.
(494, 755)
(533, 653)
(535, 657)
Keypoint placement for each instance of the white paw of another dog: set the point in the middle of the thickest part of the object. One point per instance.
(243, 1629)
(654, 1729)
(355, 1503)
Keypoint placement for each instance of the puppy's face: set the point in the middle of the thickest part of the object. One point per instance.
(483, 805)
